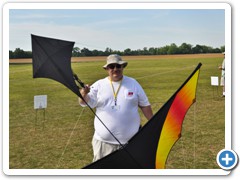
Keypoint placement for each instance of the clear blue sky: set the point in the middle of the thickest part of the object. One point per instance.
(118, 29)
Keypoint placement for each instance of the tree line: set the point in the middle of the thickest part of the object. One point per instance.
(171, 49)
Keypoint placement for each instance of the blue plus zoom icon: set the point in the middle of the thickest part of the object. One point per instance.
(227, 159)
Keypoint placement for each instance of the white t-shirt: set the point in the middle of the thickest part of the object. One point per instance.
(122, 119)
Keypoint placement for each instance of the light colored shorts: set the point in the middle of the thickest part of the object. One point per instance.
(101, 149)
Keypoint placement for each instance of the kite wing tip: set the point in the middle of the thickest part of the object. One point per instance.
(194, 100)
(179, 135)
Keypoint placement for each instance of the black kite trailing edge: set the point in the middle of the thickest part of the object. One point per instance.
(149, 148)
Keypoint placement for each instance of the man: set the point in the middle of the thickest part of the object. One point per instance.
(116, 99)
(222, 82)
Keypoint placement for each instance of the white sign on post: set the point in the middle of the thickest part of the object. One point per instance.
(214, 80)
(40, 102)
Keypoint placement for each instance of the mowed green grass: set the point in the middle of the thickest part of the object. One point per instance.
(63, 139)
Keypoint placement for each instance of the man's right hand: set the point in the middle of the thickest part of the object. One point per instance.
(84, 91)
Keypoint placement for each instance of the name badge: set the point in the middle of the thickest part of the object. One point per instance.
(115, 108)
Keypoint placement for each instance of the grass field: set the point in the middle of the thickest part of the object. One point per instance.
(63, 139)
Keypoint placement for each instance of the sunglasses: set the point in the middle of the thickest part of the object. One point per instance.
(112, 66)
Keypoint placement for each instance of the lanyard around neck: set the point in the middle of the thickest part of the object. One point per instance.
(115, 93)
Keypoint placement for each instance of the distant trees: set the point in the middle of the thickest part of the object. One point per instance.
(185, 48)
(19, 53)
(171, 49)
(76, 52)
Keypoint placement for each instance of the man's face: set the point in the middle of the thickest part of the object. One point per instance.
(115, 71)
